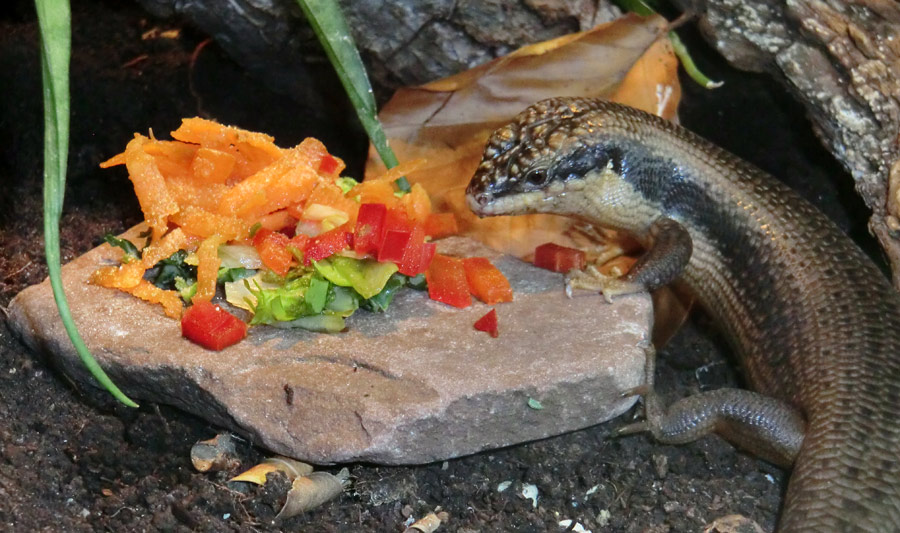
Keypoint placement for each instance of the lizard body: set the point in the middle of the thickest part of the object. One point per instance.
(814, 323)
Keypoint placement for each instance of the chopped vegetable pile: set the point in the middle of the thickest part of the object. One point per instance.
(281, 234)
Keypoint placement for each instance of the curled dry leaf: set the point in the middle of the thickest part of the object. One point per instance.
(217, 453)
(291, 468)
(311, 491)
(427, 524)
(734, 523)
(448, 121)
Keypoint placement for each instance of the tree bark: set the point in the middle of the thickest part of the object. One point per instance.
(404, 42)
(841, 58)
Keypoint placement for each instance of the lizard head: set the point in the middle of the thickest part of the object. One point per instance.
(529, 165)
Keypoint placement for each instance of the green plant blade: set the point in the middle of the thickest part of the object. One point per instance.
(54, 19)
(331, 28)
(646, 8)
(688, 63)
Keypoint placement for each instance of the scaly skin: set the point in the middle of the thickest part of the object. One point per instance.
(812, 320)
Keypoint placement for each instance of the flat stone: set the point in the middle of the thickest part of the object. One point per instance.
(412, 385)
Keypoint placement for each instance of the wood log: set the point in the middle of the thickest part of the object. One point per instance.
(841, 59)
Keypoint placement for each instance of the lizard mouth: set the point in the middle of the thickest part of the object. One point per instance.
(479, 202)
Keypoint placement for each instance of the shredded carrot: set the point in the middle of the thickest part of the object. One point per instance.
(329, 194)
(417, 203)
(285, 182)
(149, 186)
(253, 151)
(208, 268)
(118, 159)
(172, 242)
(123, 277)
(173, 158)
(149, 292)
(201, 223)
(277, 220)
(376, 191)
(212, 166)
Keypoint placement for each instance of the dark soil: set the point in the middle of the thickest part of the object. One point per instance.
(73, 460)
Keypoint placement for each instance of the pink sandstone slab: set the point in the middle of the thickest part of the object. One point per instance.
(412, 385)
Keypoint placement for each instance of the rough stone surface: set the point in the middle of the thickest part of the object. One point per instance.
(413, 385)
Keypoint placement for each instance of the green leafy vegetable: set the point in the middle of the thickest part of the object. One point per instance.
(163, 274)
(366, 276)
(323, 323)
(54, 19)
(131, 251)
(316, 294)
(381, 301)
(299, 297)
(227, 275)
(186, 289)
(343, 301)
(346, 184)
(418, 282)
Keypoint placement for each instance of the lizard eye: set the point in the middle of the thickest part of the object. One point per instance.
(536, 177)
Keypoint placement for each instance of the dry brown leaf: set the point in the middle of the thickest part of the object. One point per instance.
(427, 524)
(217, 453)
(291, 468)
(448, 121)
(310, 491)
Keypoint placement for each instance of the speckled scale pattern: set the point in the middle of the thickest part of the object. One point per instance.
(812, 319)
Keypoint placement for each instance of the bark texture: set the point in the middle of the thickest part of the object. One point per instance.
(841, 58)
(404, 42)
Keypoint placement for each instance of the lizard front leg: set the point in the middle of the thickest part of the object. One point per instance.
(669, 252)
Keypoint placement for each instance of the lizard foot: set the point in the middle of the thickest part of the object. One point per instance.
(592, 280)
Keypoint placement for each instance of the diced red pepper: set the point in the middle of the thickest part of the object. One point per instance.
(369, 226)
(446, 279)
(440, 225)
(418, 263)
(211, 326)
(486, 281)
(396, 237)
(327, 244)
(413, 256)
(394, 244)
(272, 249)
(488, 323)
(558, 258)
(298, 243)
(328, 165)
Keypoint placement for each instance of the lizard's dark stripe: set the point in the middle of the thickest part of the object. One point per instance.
(812, 319)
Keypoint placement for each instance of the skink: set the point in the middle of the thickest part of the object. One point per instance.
(814, 323)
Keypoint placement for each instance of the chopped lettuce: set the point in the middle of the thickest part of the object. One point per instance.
(366, 276)
(323, 323)
(329, 217)
(238, 293)
(346, 184)
(186, 288)
(342, 300)
(239, 255)
(227, 275)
